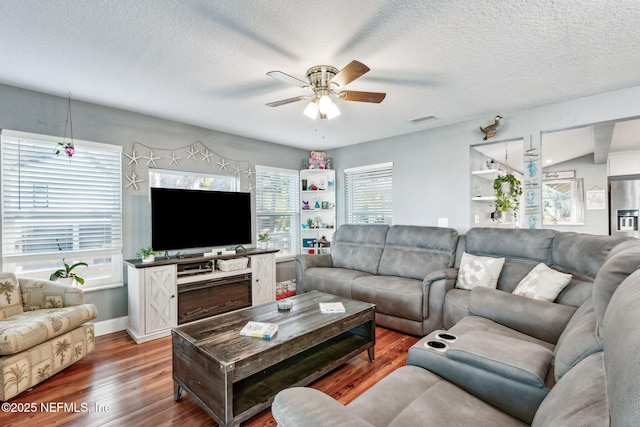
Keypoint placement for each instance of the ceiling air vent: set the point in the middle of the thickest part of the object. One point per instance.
(423, 119)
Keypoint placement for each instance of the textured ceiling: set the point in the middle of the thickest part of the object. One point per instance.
(205, 62)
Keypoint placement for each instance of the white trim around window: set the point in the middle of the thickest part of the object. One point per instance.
(278, 208)
(60, 207)
(368, 194)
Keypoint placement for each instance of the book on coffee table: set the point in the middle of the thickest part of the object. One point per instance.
(331, 307)
(259, 330)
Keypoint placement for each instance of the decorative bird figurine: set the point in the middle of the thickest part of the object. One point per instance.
(490, 131)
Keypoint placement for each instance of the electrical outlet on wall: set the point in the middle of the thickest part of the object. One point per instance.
(443, 222)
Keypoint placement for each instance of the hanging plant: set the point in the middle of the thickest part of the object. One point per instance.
(65, 146)
(508, 190)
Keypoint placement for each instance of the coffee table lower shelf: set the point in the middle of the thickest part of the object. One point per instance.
(234, 391)
(257, 391)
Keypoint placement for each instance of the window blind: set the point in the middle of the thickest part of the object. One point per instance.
(278, 208)
(59, 205)
(368, 194)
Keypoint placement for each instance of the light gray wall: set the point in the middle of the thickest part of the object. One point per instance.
(431, 167)
(431, 172)
(29, 111)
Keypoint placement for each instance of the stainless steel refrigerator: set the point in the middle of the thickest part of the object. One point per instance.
(624, 205)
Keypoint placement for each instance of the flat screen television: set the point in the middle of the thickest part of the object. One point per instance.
(190, 219)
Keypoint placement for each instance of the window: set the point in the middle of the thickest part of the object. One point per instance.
(278, 208)
(368, 194)
(563, 202)
(56, 207)
(163, 178)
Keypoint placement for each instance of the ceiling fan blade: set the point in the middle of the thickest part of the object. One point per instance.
(354, 95)
(352, 71)
(286, 101)
(283, 77)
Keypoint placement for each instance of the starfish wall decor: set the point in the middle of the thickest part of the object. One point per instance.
(171, 159)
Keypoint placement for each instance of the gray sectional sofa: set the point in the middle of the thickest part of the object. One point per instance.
(410, 272)
(578, 254)
(513, 360)
(391, 267)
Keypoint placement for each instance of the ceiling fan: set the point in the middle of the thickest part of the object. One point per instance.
(326, 82)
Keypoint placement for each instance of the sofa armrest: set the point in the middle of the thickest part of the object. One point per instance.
(309, 261)
(448, 274)
(303, 406)
(434, 288)
(539, 319)
(306, 261)
(35, 291)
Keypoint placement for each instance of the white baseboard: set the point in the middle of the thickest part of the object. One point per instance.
(109, 326)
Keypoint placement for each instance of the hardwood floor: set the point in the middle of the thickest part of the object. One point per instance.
(125, 384)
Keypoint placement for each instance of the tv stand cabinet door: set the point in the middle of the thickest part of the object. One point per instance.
(263, 286)
(161, 302)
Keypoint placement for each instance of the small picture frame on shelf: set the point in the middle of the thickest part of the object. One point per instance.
(308, 243)
(325, 205)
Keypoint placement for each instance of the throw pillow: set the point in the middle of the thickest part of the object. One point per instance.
(542, 283)
(10, 298)
(478, 271)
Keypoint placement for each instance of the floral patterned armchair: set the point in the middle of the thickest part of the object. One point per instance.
(43, 330)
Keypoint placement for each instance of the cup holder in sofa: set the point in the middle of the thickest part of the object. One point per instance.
(445, 336)
(436, 345)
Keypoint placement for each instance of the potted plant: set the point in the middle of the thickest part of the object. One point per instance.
(508, 190)
(146, 254)
(263, 240)
(67, 273)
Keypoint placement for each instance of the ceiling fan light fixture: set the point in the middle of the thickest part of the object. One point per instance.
(311, 110)
(333, 111)
(325, 103)
(323, 80)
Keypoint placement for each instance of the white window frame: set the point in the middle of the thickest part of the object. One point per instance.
(292, 210)
(368, 194)
(108, 261)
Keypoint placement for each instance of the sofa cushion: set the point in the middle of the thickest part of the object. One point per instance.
(541, 319)
(10, 298)
(623, 260)
(359, 247)
(521, 361)
(621, 350)
(578, 340)
(578, 399)
(395, 296)
(522, 248)
(581, 254)
(478, 271)
(336, 281)
(542, 283)
(475, 323)
(25, 330)
(415, 251)
(529, 245)
(412, 396)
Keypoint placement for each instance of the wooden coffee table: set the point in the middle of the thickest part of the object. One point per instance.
(233, 377)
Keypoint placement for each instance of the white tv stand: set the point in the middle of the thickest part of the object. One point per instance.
(153, 287)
